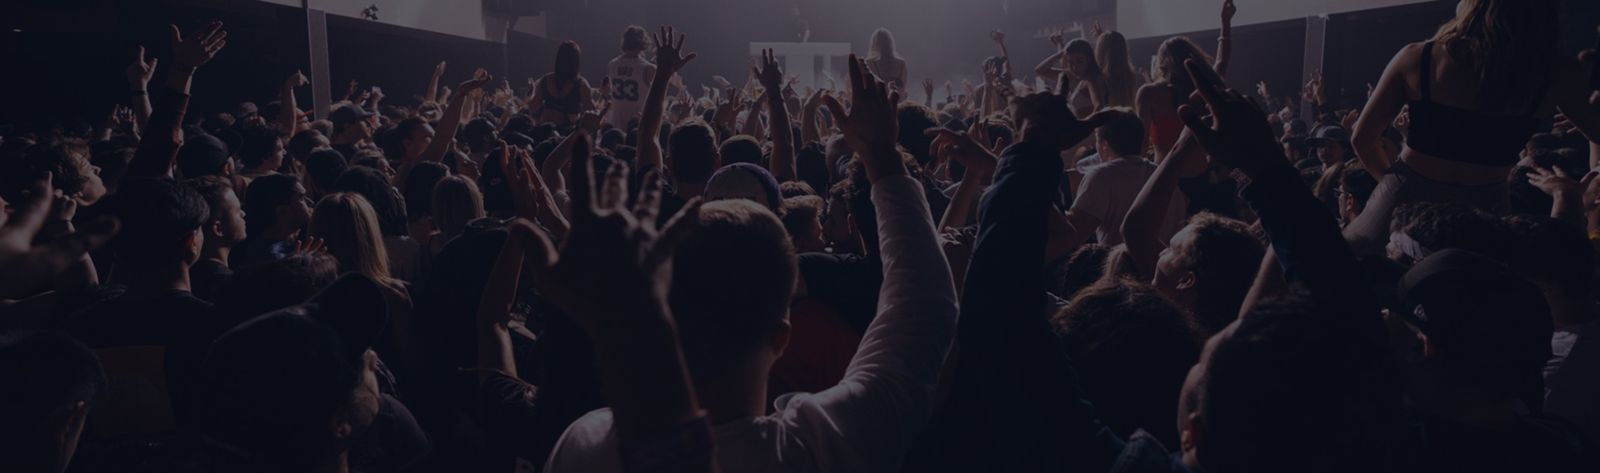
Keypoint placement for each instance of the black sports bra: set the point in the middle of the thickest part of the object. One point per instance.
(1466, 136)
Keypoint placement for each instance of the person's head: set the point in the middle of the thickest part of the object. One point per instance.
(837, 224)
(1291, 386)
(304, 142)
(915, 120)
(48, 382)
(802, 218)
(882, 45)
(1080, 60)
(292, 390)
(732, 313)
(1134, 346)
(692, 153)
(635, 40)
(745, 181)
(1170, 58)
(161, 224)
(1470, 334)
(812, 167)
(419, 189)
(383, 197)
(567, 60)
(408, 139)
(479, 135)
(352, 123)
(1421, 229)
(456, 202)
(67, 163)
(1122, 81)
(204, 155)
(323, 169)
(1512, 43)
(1555, 255)
(1355, 187)
(1331, 144)
(276, 203)
(1294, 147)
(225, 226)
(1208, 267)
(741, 149)
(261, 151)
(349, 226)
(1124, 136)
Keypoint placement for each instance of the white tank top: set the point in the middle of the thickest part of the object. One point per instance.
(629, 85)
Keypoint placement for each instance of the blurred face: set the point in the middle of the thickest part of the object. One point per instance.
(231, 223)
(1292, 152)
(1078, 65)
(419, 140)
(297, 211)
(275, 159)
(93, 188)
(1330, 153)
(1191, 388)
(1173, 277)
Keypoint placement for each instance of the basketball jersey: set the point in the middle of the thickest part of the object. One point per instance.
(629, 85)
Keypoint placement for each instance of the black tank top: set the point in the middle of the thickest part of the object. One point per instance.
(1466, 136)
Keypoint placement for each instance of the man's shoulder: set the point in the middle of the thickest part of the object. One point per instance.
(585, 444)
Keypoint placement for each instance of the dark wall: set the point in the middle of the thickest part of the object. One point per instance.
(1270, 52)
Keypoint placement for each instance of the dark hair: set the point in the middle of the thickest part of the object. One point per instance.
(262, 199)
(1225, 256)
(693, 148)
(726, 307)
(1079, 270)
(1440, 226)
(742, 149)
(1553, 253)
(479, 135)
(371, 184)
(214, 189)
(393, 144)
(568, 56)
(156, 215)
(1298, 387)
(799, 212)
(1124, 134)
(1134, 348)
(419, 188)
(812, 166)
(304, 142)
(1083, 47)
(256, 145)
(795, 189)
(66, 160)
(268, 286)
(112, 158)
(323, 168)
(635, 39)
(44, 374)
(915, 120)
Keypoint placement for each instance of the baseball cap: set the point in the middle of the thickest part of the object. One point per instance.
(202, 155)
(270, 385)
(744, 181)
(347, 114)
(1481, 313)
(1329, 134)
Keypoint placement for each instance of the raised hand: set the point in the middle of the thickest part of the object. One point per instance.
(927, 89)
(1058, 40)
(872, 123)
(998, 36)
(669, 52)
(479, 80)
(1228, 10)
(140, 71)
(616, 265)
(1237, 134)
(1046, 119)
(298, 79)
(590, 121)
(1096, 31)
(768, 73)
(1266, 94)
(518, 168)
(965, 148)
(438, 70)
(1556, 183)
(200, 47)
(1314, 92)
(31, 259)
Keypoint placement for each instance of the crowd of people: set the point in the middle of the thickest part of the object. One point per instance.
(1093, 269)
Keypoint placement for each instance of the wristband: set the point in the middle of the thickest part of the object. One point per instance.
(138, 92)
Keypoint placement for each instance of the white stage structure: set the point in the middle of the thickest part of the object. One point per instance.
(811, 63)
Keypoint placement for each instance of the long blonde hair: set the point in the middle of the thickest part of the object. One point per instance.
(1122, 82)
(882, 46)
(1512, 44)
(349, 226)
(456, 202)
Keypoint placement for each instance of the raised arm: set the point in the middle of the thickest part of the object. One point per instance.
(450, 122)
(288, 107)
(1387, 99)
(1050, 68)
(669, 60)
(139, 74)
(969, 150)
(1141, 228)
(808, 118)
(780, 131)
(1225, 40)
(158, 146)
(432, 94)
(1010, 360)
(886, 395)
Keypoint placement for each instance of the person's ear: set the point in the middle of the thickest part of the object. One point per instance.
(1349, 203)
(1188, 280)
(214, 230)
(1424, 348)
(195, 240)
(779, 340)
